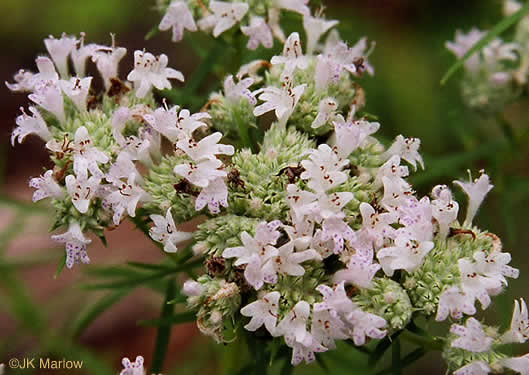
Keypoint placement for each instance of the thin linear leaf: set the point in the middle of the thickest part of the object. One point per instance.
(498, 29)
(407, 360)
(164, 331)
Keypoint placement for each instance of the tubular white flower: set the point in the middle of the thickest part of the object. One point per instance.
(201, 173)
(359, 272)
(234, 91)
(335, 300)
(406, 254)
(135, 368)
(298, 6)
(472, 337)
(59, 50)
(46, 187)
(151, 71)
(518, 364)
(86, 156)
(259, 33)
(225, 16)
(351, 134)
(476, 192)
(361, 324)
(205, 149)
(327, 109)
(407, 149)
(75, 245)
(315, 27)
(48, 95)
(77, 90)
(324, 169)
(107, 61)
(444, 208)
(326, 328)
(474, 368)
(519, 330)
(292, 57)
(81, 54)
(214, 195)
(455, 303)
(263, 311)
(33, 124)
(282, 101)
(126, 196)
(82, 190)
(179, 18)
(164, 231)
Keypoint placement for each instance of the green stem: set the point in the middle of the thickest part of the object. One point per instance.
(164, 331)
(395, 358)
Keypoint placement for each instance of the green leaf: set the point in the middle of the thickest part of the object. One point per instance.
(96, 309)
(60, 267)
(408, 360)
(164, 331)
(381, 348)
(396, 366)
(153, 32)
(499, 28)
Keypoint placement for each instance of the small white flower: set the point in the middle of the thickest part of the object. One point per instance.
(376, 224)
(326, 328)
(59, 50)
(298, 6)
(193, 289)
(455, 303)
(259, 33)
(327, 110)
(263, 311)
(179, 18)
(75, 245)
(202, 173)
(48, 95)
(358, 55)
(327, 71)
(164, 231)
(510, 7)
(292, 57)
(205, 149)
(303, 203)
(235, 91)
(287, 262)
(476, 192)
(135, 368)
(123, 167)
(475, 284)
(359, 272)
(301, 230)
(335, 300)
(444, 208)
(26, 81)
(214, 195)
(463, 43)
(107, 61)
(324, 169)
(391, 169)
(176, 125)
(151, 71)
(77, 90)
(26, 125)
(294, 324)
(338, 231)
(86, 155)
(138, 148)
(397, 193)
(274, 14)
(81, 54)
(407, 149)
(416, 216)
(495, 265)
(406, 254)
(362, 324)
(474, 368)
(519, 331)
(126, 196)
(46, 187)
(23, 82)
(82, 191)
(315, 27)
(472, 337)
(282, 101)
(225, 16)
(251, 70)
(518, 364)
(351, 134)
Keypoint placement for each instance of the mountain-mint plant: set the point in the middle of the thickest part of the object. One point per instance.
(314, 235)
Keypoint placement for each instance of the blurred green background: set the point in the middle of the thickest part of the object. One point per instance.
(405, 94)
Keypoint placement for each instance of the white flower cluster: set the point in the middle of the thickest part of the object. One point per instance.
(107, 149)
(477, 340)
(133, 368)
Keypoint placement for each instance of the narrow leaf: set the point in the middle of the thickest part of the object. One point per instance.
(499, 28)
